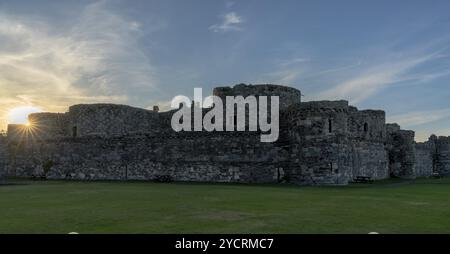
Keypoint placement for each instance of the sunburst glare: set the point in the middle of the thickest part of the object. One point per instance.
(19, 115)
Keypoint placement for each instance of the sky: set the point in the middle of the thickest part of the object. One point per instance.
(390, 55)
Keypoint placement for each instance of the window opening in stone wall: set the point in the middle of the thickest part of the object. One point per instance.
(74, 131)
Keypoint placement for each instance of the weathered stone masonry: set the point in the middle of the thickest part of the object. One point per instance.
(321, 142)
(3, 158)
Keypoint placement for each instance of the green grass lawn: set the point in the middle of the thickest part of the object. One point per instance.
(392, 206)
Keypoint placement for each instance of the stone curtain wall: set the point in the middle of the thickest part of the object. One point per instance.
(110, 120)
(49, 125)
(433, 156)
(216, 158)
(370, 159)
(16, 133)
(425, 164)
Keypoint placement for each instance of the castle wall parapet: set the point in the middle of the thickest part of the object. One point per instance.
(287, 95)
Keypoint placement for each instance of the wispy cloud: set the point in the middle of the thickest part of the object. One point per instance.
(395, 68)
(423, 122)
(430, 76)
(285, 77)
(420, 117)
(293, 61)
(87, 62)
(230, 22)
(371, 81)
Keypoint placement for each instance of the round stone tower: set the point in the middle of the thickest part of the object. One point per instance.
(318, 138)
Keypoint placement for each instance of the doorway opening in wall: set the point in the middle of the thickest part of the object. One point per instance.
(280, 175)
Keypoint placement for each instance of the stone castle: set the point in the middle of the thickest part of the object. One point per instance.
(321, 142)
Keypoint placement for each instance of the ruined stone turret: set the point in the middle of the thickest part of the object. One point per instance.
(288, 95)
(401, 151)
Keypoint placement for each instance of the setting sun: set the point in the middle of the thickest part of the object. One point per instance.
(20, 115)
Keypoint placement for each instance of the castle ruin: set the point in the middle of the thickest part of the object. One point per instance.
(321, 142)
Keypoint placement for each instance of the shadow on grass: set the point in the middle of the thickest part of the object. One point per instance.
(13, 184)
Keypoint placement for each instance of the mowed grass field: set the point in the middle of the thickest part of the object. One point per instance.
(391, 206)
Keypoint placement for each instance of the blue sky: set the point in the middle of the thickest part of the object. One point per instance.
(391, 55)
